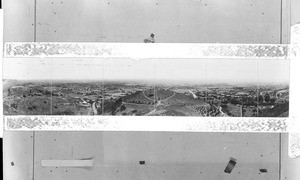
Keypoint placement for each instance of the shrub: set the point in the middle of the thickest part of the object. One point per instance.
(13, 105)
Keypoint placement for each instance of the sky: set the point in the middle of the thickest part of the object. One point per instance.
(196, 70)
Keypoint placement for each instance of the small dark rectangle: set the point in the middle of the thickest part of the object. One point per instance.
(230, 166)
(142, 162)
(263, 170)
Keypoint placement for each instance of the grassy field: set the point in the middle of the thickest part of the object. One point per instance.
(38, 105)
(163, 94)
(279, 110)
(138, 98)
(180, 104)
(135, 109)
(249, 111)
(182, 99)
(232, 110)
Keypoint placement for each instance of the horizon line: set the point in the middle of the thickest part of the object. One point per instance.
(167, 81)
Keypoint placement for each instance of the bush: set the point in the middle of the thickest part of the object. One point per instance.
(122, 108)
(99, 110)
(66, 112)
(13, 105)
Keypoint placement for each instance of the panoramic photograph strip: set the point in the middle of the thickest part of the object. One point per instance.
(146, 87)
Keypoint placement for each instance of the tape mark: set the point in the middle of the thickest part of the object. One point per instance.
(230, 165)
(67, 163)
(294, 145)
(142, 162)
(263, 170)
(146, 50)
(146, 123)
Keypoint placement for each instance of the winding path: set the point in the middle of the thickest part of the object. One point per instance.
(194, 95)
(161, 99)
(159, 103)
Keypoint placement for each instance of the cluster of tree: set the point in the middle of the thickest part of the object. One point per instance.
(200, 94)
(266, 100)
(65, 112)
(164, 97)
(213, 111)
(246, 101)
(14, 105)
(8, 92)
(99, 110)
(111, 107)
(150, 95)
(225, 109)
(223, 105)
(141, 102)
(234, 101)
(32, 107)
(122, 108)
(278, 110)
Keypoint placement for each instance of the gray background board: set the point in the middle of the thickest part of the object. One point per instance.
(295, 15)
(18, 24)
(167, 155)
(289, 166)
(122, 151)
(18, 155)
(247, 21)
(121, 148)
(171, 21)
